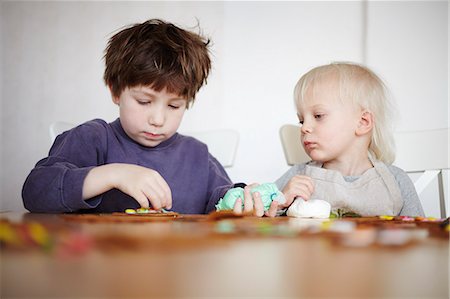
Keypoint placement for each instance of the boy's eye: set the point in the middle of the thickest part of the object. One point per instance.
(318, 116)
(300, 122)
(143, 102)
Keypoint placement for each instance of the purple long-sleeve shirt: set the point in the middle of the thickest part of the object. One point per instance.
(195, 177)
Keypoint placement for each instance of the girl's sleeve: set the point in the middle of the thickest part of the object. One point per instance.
(218, 183)
(55, 184)
(411, 203)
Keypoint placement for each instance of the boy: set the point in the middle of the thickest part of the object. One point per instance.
(153, 71)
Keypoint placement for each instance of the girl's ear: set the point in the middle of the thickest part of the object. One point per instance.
(365, 124)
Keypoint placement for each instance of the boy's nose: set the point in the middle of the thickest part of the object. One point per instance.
(156, 117)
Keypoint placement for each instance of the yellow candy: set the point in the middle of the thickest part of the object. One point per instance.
(143, 211)
(130, 211)
(385, 217)
(325, 225)
(38, 233)
(8, 235)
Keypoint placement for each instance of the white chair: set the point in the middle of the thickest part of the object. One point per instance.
(59, 127)
(292, 147)
(426, 153)
(222, 144)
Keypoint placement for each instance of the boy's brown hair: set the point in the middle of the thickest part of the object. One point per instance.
(157, 54)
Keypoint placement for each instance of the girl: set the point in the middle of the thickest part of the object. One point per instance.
(346, 130)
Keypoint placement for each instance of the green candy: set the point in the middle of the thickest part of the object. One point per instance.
(268, 192)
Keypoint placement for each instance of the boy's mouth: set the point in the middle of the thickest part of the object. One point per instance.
(150, 135)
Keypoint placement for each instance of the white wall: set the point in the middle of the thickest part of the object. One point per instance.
(51, 58)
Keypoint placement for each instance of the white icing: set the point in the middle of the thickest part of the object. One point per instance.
(313, 208)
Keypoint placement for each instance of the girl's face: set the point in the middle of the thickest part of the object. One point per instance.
(328, 124)
(150, 117)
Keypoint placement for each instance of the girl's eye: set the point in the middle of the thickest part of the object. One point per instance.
(174, 107)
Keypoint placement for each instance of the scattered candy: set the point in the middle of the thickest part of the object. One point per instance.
(342, 227)
(386, 217)
(225, 227)
(360, 238)
(35, 236)
(394, 237)
(144, 211)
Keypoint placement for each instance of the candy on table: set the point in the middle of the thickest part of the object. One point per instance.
(406, 218)
(343, 213)
(143, 211)
(386, 217)
(446, 224)
(34, 235)
(268, 191)
(339, 226)
(427, 219)
(394, 237)
(225, 227)
(362, 237)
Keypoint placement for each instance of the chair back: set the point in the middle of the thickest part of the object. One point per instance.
(425, 152)
(59, 127)
(292, 147)
(222, 144)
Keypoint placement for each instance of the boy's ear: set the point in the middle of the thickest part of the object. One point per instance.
(113, 97)
(365, 124)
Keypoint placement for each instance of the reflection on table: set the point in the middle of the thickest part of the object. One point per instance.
(79, 256)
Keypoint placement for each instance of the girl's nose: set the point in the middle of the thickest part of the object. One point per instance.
(306, 128)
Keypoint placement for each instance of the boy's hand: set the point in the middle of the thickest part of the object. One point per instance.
(253, 204)
(143, 184)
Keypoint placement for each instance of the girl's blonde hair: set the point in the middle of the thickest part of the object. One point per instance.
(364, 89)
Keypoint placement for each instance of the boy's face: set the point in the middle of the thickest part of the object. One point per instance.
(329, 124)
(150, 117)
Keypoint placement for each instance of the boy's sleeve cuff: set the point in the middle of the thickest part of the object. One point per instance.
(72, 188)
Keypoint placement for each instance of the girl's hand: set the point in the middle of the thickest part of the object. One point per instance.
(298, 186)
(145, 185)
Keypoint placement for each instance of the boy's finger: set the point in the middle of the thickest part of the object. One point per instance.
(142, 200)
(248, 200)
(272, 211)
(164, 192)
(237, 209)
(258, 205)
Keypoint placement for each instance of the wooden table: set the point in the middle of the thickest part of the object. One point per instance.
(196, 256)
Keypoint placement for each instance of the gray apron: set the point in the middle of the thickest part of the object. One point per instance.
(375, 192)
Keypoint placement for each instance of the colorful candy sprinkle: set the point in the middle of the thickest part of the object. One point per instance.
(386, 217)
